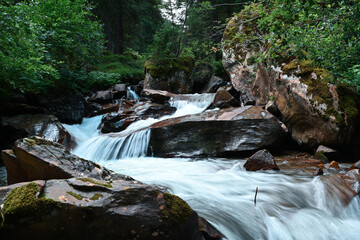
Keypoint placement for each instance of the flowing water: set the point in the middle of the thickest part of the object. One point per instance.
(220, 190)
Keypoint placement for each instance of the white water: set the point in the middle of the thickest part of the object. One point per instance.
(132, 94)
(288, 207)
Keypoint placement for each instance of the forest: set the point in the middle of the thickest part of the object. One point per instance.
(81, 45)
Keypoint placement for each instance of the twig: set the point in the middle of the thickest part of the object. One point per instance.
(256, 195)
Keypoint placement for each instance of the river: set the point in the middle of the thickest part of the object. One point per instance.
(288, 206)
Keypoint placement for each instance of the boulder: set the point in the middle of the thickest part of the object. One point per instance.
(201, 75)
(105, 96)
(328, 153)
(261, 160)
(68, 109)
(224, 99)
(35, 158)
(87, 208)
(315, 111)
(13, 109)
(209, 231)
(216, 133)
(172, 75)
(356, 165)
(95, 109)
(157, 96)
(43, 125)
(213, 85)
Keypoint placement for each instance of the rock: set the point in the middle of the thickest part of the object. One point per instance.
(120, 88)
(319, 172)
(96, 109)
(105, 96)
(209, 231)
(86, 208)
(170, 75)
(117, 122)
(68, 109)
(272, 108)
(224, 99)
(35, 158)
(356, 165)
(216, 133)
(329, 153)
(213, 85)
(315, 111)
(261, 160)
(42, 125)
(13, 109)
(201, 76)
(157, 96)
(334, 164)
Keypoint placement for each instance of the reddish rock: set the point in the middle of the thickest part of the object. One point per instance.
(261, 160)
(224, 99)
(334, 164)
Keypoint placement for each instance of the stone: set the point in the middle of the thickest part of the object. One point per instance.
(35, 158)
(201, 75)
(334, 164)
(329, 153)
(213, 85)
(105, 96)
(43, 125)
(96, 109)
(224, 132)
(69, 109)
(261, 160)
(157, 96)
(173, 75)
(223, 98)
(356, 165)
(209, 231)
(86, 208)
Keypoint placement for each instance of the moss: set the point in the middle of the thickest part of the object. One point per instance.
(2, 219)
(77, 196)
(90, 180)
(30, 142)
(96, 196)
(349, 102)
(25, 202)
(321, 156)
(177, 210)
(11, 152)
(168, 67)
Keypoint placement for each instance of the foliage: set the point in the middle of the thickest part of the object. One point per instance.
(326, 32)
(41, 39)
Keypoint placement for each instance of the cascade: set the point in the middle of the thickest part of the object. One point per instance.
(132, 94)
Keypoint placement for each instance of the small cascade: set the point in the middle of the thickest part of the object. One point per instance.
(132, 94)
(105, 147)
(134, 141)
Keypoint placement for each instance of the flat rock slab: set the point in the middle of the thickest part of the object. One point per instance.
(217, 133)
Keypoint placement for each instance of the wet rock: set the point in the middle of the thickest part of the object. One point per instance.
(315, 111)
(224, 99)
(80, 208)
(319, 172)
(329, 153)
(356, 165)
(157, 96)
(35, 158)
(105, 96)
(213, 85)
(201, 75)
(216, 133)
(334, 164)
(42, 125)
(272, 108)
(172, 75)
(116, 122)
(68, 109)
(96, 109)
(209, 231)
(261, 160)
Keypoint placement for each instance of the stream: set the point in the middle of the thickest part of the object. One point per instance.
(288, 206)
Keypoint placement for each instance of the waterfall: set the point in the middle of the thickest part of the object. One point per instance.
(134, 141)
(132, 94)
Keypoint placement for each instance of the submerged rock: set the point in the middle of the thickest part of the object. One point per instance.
(216, 133)
(80, 208)
(35, 158)
(261, 160)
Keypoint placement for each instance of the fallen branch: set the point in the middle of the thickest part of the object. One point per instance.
(256, 195)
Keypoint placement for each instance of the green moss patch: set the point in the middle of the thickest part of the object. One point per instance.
(168, 67)
(349, 103)
(321, 156)
(25, 202)
(96, 196)
(90, 180)
(77, 196)
(177, 211)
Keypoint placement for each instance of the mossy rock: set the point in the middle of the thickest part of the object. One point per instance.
(177, 211)
(25, 201)
(168, 67)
